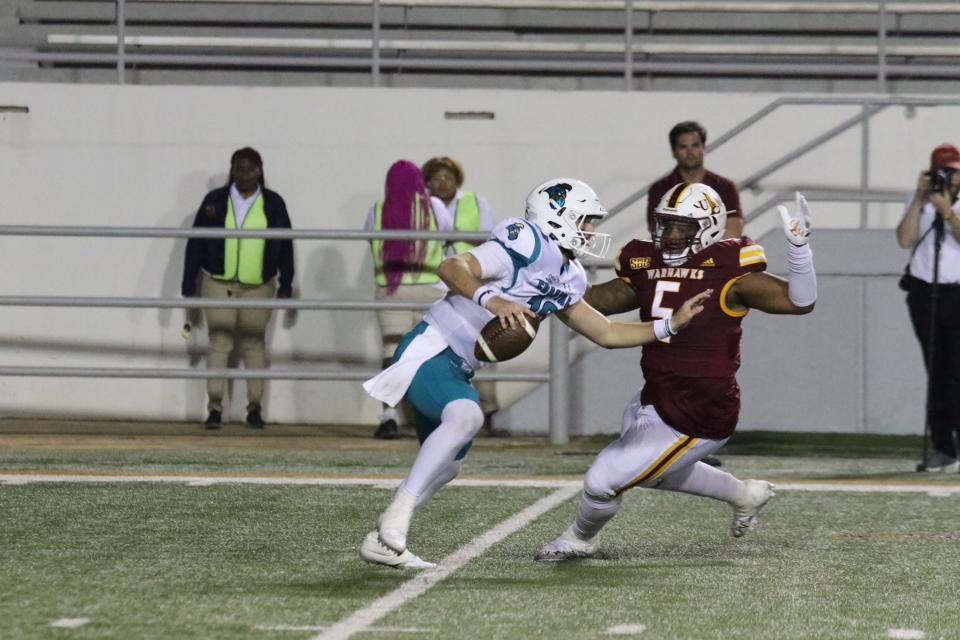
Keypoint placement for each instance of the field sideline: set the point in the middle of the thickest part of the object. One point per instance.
(168, 539)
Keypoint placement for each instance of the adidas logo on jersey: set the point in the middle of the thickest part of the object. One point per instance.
(639, 263)
(708, 263)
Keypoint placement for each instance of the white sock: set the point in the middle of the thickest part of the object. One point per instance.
(460, 422)
(388, 414)
(593, 513)
(446, 474)
(700, 479)
(395, 520)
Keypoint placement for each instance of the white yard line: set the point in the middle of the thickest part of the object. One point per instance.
(69, 623)
(626, 629)
(363, 619)
(309, 627)
(856, 487)
(940, 490)
(906, 634)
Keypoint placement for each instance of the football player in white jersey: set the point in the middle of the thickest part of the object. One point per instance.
(528, 267)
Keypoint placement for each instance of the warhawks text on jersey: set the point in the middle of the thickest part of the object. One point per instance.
(690, 380)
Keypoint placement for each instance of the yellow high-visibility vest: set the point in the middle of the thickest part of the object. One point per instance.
(466, 218)
(243, 257)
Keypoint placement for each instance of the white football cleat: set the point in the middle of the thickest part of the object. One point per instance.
(751, 497)
(375, 552)
(395, 521)
(567, 547)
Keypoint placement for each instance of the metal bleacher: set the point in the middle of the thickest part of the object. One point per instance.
(752, 45)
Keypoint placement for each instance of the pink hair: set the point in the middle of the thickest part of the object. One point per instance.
(406, 205)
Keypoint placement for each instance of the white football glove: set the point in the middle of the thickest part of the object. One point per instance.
(797, 229)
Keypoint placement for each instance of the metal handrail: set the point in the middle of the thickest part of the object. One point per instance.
(559, 356)
(211, 232)
(234, 374)
(209, 303)
(871, 104)
(822, 195)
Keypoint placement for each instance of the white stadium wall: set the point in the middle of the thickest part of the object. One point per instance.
(145, 156)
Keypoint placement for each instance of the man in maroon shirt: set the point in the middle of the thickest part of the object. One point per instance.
(690, 401)
(687, 144)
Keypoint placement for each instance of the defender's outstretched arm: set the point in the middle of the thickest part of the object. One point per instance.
(611, 298)
(584, 319)
(798, 293)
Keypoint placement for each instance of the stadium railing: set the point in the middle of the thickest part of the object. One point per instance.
(590, 53)
(558, 375)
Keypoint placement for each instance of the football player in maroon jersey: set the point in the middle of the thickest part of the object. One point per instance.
(690, 401)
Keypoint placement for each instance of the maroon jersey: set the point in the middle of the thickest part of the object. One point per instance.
(691, 380)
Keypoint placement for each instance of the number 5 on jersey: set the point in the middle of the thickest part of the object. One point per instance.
(657, 310)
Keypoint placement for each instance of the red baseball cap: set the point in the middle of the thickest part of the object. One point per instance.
(945, 155)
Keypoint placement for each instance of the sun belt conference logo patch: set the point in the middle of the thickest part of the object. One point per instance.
(639, 263)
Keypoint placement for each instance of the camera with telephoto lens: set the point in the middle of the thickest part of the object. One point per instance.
(940, 178)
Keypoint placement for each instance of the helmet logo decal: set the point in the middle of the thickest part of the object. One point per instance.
(558, 194)
(707, 204)
(513, 231)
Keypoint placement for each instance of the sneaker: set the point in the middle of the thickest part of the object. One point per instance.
(568, 547)
(213, 420)
(939, 462)
(375, 552)
(254, 419)
(387, 430)
(751, 497)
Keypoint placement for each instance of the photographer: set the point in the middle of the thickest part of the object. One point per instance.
(931, 229)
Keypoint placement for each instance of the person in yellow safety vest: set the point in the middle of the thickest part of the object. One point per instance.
(405, 270)
(253, 268)
(470, 212)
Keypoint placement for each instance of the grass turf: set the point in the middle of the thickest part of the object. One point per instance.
(162, 561)
(169, 560)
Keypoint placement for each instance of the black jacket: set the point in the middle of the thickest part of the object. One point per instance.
(208, 252)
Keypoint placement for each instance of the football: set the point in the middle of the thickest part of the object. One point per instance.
(496, 343)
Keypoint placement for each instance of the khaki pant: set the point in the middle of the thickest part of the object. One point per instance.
(246, 328)
(394, 324)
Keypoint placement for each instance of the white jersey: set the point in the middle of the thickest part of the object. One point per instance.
(535, 274)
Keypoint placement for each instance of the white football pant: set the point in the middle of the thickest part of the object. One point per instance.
(649, 453)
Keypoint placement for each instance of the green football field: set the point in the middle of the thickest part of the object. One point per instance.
(173, 536)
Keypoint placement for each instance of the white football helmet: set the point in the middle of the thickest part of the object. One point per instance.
(559, 207)
(689, 218)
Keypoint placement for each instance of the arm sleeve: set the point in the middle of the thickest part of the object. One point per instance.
(495, 262)
(801, 279)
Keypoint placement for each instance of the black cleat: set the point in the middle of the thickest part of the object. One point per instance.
(254, 419)
(213, 420)
(387, 430)
(713, 461)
